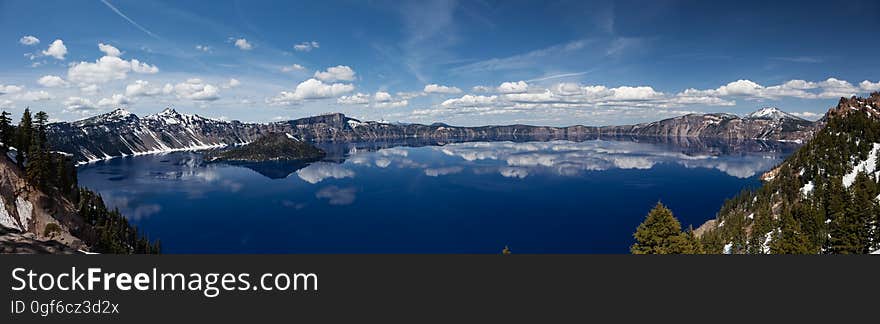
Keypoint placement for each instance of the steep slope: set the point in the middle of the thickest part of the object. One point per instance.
(822, 199)
(26, 209)
(120, 133)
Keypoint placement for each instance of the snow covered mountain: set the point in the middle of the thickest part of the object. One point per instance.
(122, 133)
(772, 113)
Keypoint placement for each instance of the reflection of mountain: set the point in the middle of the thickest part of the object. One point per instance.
(272, 169)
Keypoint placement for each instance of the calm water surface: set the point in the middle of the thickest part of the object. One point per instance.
(536, 197)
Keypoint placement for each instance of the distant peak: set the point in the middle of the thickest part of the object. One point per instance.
(168, 111)
(771, 113)
(119, 112)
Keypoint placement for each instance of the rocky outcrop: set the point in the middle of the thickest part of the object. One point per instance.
(120, 133)
(38, 216)
(270, 147)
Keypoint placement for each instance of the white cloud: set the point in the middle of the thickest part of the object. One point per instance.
(243, 44)
(196, 89)
(513, 87)
(109, 50)
(807, 115)
(91, 89)
(52, 81)
(436, 88)
(141, 88)
(392, 104)
(311, 89)
(480, 88)
(306, 46)
(355, 99)
(29, 40)
(203, 48)
(56, 50)
(382, 96)
(834, 88)
(4, 89)
(107, 68)
(79, 105)
(470, 101)
(870, 86)
(232, 83)
(336, 73)
(35, 96)
(291, 68)
(634, 93)
(115, 100)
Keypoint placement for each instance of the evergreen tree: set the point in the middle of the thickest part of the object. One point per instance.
(38, 167)
(7, 133)
(660, 233)
(790, 239)
(24, 135)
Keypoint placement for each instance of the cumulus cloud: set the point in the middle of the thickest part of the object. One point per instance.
(391, 104)
(336, 73)
(470, 101)
(115, 100)
(5, 89)
(56, 50)
(52, 81)
(306, 46)
(91, 89)
(243, 44)
(109, 50)
(107, 68)
(436, 88)
(382, 96)
(870, 86)
(29, 40)
(141, 88)
(355, 99)
(203, 48)
(293, 67)
(827, 89)
(35, 96)
(311, 89)
(196, 89)
(513, 87)
(232, 83)
(79, 105)
(807, 115)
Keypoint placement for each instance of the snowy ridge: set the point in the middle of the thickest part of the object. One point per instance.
(771, 113)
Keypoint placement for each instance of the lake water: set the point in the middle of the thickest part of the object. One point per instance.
(535, 197)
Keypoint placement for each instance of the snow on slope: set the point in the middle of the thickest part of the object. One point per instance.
(867, 166)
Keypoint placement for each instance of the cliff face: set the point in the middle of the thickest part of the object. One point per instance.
(120, 133)
(31, 219)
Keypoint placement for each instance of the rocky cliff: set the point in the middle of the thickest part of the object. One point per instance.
(121, 133)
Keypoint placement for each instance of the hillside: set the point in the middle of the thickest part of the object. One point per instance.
(822, 199)
(42, 209)
(269, 147)
(121, 133)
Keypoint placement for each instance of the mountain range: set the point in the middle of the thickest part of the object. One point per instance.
(122, 133)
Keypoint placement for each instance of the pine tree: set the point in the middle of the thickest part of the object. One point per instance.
(24, 135)
(7, 133)
(660, 233)
(38, 167)
(790, 239)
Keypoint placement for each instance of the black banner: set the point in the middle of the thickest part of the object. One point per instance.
(459, 288)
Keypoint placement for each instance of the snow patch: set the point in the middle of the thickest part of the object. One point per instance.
(727, 248)
(867, 166)
(6, 220)
(808, 188)
(25, 211)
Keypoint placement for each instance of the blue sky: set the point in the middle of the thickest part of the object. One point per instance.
(459, 62)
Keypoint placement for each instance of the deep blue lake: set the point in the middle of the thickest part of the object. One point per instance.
(535, 197)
